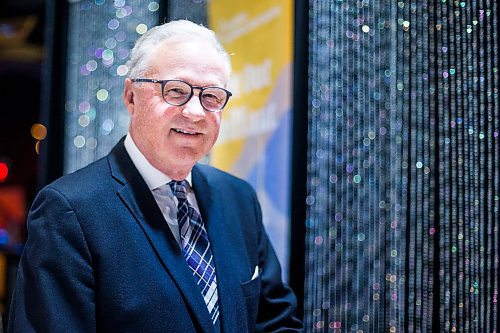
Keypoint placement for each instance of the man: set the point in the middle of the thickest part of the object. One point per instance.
(119, 246)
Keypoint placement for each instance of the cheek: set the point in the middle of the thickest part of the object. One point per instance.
(152, 116)
(214, 121)
(148, 127)
(141, 122)
(214, 129)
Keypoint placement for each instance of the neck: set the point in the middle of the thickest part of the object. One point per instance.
(178, 174)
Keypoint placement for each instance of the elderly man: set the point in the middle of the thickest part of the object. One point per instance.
(145, 239)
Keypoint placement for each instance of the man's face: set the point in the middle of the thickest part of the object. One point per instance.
(174, 138)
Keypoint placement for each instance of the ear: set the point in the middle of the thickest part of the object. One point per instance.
(128, 96)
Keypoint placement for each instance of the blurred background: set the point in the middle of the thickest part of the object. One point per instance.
(370, 130)
(22, 45)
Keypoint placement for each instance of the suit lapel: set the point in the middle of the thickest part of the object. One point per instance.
(226, 242)
(142, 205)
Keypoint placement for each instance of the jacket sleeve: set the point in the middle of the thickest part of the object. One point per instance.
(55, 283)
(277, 304)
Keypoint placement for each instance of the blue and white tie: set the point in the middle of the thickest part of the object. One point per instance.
(196, 248)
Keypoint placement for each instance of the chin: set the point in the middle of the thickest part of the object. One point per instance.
(187, 156)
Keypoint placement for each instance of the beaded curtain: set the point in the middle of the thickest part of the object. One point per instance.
(403, 174)
(100, 36)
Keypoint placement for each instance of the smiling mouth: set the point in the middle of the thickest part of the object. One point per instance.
(181, 131)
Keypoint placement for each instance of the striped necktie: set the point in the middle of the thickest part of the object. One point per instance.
(196, 248)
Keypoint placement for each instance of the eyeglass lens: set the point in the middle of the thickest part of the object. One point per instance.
(178, 92)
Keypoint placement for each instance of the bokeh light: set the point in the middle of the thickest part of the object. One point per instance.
(141, 28)
(4, 171)
(38, 131)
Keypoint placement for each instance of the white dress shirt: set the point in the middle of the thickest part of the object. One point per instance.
(155, 180)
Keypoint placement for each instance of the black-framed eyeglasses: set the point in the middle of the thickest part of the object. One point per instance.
(178, 92)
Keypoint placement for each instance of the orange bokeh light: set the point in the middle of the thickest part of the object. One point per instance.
(38, 131)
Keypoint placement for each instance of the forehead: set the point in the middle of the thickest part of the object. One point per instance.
(196, 61)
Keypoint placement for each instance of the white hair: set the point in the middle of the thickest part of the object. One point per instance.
(144, 46)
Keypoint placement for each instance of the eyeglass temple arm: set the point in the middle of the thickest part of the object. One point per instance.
(147, 80)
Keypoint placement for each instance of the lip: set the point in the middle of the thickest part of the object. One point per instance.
(185, 131)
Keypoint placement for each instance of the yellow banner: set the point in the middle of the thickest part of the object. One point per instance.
(254, 142)
(258, 35)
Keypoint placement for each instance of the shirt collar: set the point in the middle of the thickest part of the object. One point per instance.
(153, 177)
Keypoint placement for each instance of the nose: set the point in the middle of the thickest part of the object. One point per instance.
(193, 109)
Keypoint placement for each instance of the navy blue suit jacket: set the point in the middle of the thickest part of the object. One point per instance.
(100, 257)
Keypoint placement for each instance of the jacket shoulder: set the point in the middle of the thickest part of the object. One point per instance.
(89, 178)
(229, 181)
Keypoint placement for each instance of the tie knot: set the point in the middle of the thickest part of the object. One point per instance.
(179, 189)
